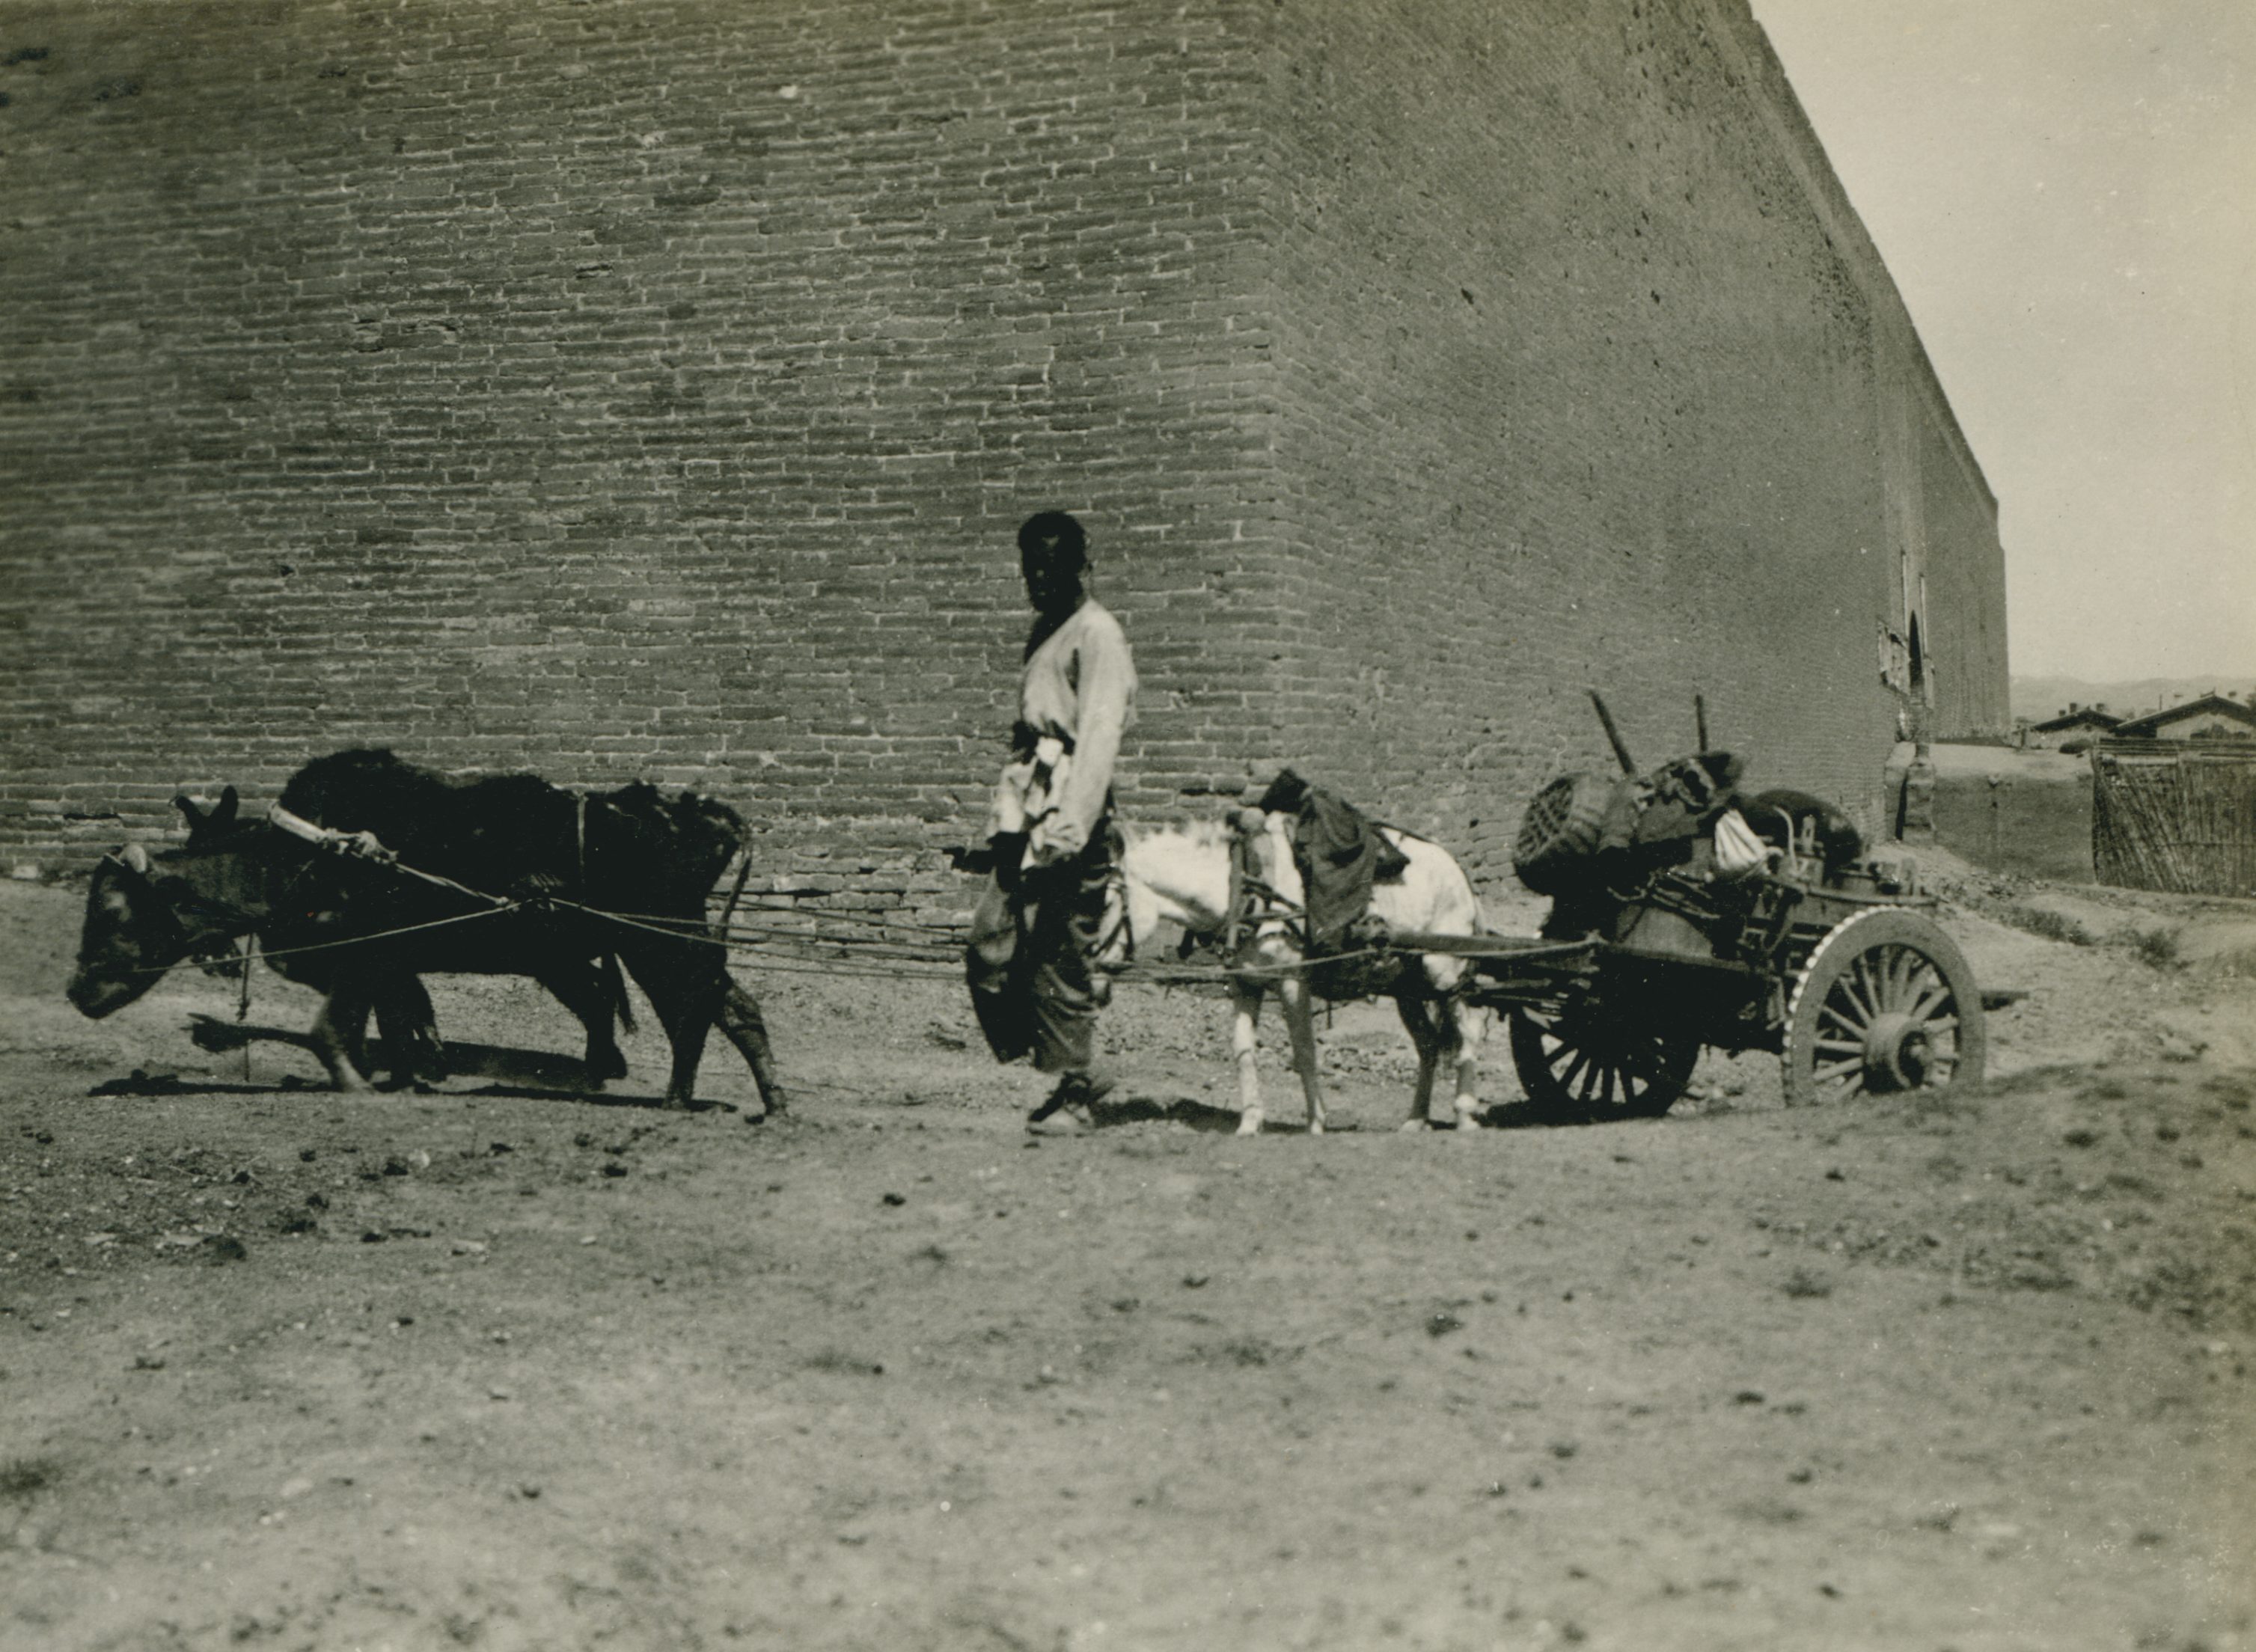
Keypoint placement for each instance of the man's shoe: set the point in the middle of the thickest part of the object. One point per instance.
(1079, 1090)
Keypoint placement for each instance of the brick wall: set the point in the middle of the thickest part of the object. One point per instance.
(1965, 618)
(1584, 389)
(618, 388)
(608, 389)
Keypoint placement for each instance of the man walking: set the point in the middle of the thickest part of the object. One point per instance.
(1051, 830)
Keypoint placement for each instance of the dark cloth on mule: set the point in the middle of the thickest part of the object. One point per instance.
(1340, 852)
(1027, 963)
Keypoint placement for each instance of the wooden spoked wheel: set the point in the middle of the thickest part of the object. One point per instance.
(1582, 1067)
(1886, 1003)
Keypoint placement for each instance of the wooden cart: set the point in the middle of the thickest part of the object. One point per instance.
(1837, 966)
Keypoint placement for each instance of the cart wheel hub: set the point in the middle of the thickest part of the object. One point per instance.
(1897, 1053)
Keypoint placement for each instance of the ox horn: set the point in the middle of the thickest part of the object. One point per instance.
(137, 857)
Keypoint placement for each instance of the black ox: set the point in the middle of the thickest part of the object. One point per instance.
(630, 853)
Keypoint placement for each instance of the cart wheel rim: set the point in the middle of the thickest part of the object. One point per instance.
(1575, 1069)
(1886, 1003)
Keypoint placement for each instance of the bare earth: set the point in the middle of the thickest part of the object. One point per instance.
(501, 1366)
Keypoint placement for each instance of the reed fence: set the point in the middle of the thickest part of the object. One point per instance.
(2175, 815)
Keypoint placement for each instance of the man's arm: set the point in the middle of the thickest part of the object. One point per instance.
(1107, 679)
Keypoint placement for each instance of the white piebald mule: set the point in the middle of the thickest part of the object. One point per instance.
(1182, 874)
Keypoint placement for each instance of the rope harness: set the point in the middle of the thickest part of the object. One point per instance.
(900, 946)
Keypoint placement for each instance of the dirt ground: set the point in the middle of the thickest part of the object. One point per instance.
(506, 1366)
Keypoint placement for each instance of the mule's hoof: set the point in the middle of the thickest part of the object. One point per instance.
(1470, 1119)
(1248, 1124)
(1315, 1127)
(1411, 1125)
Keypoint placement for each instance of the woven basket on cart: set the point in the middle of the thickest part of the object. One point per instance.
(1560, 831)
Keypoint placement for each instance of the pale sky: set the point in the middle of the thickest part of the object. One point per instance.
(2065, 192)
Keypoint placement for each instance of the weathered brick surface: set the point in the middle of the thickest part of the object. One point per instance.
(1582, 390)
(610, 389)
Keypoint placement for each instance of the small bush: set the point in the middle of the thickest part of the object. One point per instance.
(2050, 925)
(2156, 946)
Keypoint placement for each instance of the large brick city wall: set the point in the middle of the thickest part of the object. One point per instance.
(1584, 390)
(618, 388)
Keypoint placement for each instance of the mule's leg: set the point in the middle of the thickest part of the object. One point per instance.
(337, 1032)
(1458, 1026)
(748, 1030)
(1466, 1021)
(1245, 1040)
(1418, 1021)
(1298, 1005)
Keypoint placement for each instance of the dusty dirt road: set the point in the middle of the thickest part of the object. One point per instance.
(499, 1365)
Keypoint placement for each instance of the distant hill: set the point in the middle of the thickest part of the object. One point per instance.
(2040, 698)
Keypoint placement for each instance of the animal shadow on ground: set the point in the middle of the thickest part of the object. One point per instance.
(1163, 1109)
(518, 1074)
(1197, 1114)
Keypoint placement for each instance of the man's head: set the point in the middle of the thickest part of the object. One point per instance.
(1053, 555)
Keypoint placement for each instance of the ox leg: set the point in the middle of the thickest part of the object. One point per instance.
(1298, 1004)
(1245, 1042)
(748, 1030)
(408, 1029)
(585, 988)
(688, 1018)
(337, 1032)
(688, 987)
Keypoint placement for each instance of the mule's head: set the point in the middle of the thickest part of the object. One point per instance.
(132, 934)
(1180, 874)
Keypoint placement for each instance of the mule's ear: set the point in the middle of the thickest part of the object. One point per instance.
(223, 813)
(186, 805)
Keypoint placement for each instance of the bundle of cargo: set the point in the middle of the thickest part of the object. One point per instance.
(1686, 913)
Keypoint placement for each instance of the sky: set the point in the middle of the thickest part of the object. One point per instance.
(2065, 192)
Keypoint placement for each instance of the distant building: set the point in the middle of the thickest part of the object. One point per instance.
(2212, 717)
(2078, 723)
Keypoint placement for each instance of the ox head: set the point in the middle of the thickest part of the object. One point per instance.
(132, 934)
(207, 827)
(145, 915)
